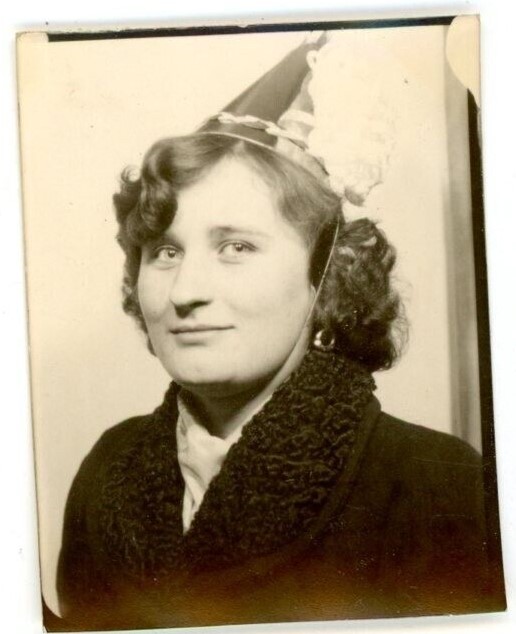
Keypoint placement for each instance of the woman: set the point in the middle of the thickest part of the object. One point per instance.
(269, 485)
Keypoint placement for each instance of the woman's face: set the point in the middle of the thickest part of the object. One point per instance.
(225, 292)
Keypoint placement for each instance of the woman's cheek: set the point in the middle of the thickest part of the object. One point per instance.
(264, 295)
(152, 294)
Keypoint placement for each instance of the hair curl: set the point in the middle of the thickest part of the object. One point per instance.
(356, 304)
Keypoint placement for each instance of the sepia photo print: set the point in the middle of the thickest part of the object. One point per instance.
(259, 336)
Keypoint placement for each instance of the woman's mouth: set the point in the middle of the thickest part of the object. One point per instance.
(198, 333)
(198, 328)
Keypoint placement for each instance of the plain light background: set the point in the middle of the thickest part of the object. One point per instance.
(16, 471)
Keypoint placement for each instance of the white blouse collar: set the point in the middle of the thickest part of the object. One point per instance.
(200, 456)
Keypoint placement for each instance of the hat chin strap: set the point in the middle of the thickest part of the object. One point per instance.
(323, 277)
(306, 323)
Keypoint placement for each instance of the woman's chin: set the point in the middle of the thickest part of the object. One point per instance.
(208, 384)
(216, 373)
(215, 378)
(224, 381)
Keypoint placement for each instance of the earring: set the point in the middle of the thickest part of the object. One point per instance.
(324, 340)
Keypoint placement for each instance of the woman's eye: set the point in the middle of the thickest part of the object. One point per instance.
(165, 254)
(235, 249)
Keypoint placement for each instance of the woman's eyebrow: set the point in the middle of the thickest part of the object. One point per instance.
(224, 231)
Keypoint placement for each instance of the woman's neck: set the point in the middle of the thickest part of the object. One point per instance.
(223, 413)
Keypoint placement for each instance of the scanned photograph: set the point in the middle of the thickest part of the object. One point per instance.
(258, 321)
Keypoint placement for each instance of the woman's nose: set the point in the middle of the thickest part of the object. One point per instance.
(191, 284)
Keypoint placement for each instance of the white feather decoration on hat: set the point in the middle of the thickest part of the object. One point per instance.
(353, 90)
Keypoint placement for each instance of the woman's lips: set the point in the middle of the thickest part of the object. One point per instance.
(198, 329)
(197, 334)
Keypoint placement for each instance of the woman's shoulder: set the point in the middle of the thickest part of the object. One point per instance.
(424, 483)
(420, 458)
(112, 443)
(121, 434)
(416, 442)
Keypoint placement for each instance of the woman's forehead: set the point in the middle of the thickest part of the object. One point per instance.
(230, 195)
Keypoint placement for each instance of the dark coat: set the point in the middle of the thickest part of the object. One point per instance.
(326, 508)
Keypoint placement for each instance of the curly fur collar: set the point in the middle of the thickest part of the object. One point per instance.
(272, 487)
